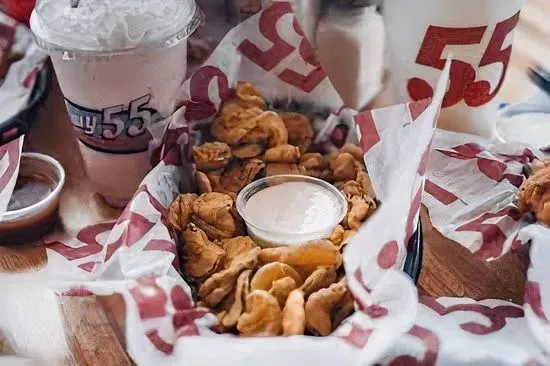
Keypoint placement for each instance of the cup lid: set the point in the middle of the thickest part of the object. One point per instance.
(112, 26)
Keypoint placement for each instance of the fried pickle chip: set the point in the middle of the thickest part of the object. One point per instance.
(249, 96)
(344, 167)
(315, 253)
(361, 209)
(203, 183)
(281, 288)
(352, 189)
(366, 184)
(227, 302)
(181, 210)
(314, 161)
(283, 154)
(234, 123)
(215, 210)
(300, 131)
(344, 309)
(337, 235)
(263, 316)
(270, 131)
(220, 284)
(294, 314)
(319, 308)
(235, 247)
(212, 155)
(247, 151)
(237, 308)
(201, 257)
(322, 277)
(212, 232)
(239, 174)
(354, 150)
(538, 165)
(273, 169)
(305, 271)
(220, 315)
(325, 175)
(534, 195)
(271, 272)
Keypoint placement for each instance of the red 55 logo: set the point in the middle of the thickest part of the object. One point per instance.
(280, 49)
(463, 84)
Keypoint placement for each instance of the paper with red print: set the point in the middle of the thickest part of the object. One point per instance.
(9, 170)
(470, 189)
(15, 90)
(16, 86)
(135, 256)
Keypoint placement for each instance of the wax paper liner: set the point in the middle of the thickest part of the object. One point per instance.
(470, 188)
(15, 90)
(135, 256)
(16, 87)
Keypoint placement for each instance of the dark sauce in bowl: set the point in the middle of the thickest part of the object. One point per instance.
(30, 190)
(32, 209)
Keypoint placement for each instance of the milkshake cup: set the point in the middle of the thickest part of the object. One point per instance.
(119, 64)
(477, 34)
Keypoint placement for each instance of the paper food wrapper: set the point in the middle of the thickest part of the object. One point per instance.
(136, 256)
(15, 90)
(17, 85)
(477, 33)
(220, 16)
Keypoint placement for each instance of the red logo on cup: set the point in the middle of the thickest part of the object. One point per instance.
(463, 84)
(120, 129)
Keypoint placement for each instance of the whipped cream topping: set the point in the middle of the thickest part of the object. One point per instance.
(110, 25)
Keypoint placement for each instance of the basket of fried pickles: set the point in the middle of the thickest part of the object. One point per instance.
(254, 291)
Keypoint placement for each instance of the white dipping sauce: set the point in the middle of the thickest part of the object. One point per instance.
(297, 208)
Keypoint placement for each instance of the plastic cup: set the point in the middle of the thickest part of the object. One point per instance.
(477, 33)
(119, 66)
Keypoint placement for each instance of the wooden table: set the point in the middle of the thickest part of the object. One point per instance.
(94, 325)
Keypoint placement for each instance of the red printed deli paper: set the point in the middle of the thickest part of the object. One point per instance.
(24, 60)
(471, 186)
(15, 89)
(136, 256)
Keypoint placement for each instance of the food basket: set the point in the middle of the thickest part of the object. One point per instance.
(136, 254)
(22, 122)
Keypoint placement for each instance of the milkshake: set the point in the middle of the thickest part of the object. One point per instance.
(119, 65)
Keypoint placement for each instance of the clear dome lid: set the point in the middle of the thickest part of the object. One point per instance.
(112, 26)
